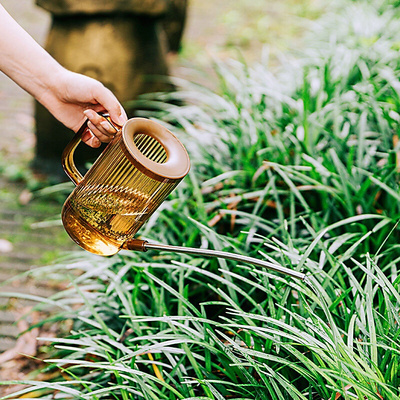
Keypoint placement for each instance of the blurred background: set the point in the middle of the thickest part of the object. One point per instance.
(223, 29)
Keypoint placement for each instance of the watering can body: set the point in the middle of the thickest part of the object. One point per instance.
(133, 175)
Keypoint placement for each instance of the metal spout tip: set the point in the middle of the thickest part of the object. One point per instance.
(135, 245)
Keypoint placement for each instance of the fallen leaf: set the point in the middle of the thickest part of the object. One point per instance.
(26, 344)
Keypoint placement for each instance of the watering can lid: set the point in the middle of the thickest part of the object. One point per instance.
(177, 164)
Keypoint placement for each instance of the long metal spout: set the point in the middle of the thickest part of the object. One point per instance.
(143, 245)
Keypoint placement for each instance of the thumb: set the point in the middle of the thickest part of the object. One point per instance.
(110, 103)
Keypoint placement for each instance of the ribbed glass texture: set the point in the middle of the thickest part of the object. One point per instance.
(115, 198)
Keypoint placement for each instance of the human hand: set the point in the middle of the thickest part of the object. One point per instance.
(70, 97)
(73, 97)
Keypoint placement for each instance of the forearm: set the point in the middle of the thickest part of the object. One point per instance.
(23, 60)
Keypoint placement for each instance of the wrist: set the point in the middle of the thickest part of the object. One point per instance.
(49, 82)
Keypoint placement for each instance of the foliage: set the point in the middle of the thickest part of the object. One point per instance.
(299, 166)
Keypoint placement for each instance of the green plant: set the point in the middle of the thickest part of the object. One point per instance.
(298, 166)
(180, 330)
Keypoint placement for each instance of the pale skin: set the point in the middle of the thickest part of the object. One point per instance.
(72, 98)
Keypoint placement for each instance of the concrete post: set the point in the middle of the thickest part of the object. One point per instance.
(115, 41)
(174, 24)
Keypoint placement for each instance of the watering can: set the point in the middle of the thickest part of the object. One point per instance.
(134, 174)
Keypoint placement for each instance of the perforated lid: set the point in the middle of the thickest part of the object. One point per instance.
(149, 161)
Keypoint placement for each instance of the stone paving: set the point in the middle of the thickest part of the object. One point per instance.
(21, 246)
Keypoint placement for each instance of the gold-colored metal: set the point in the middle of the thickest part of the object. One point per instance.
(135, 173)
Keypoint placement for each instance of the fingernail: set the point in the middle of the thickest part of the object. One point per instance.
(107, 126)
(121, 119)
(88, 113)
(94, 142)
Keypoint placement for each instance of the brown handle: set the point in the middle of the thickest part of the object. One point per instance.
(67, 158)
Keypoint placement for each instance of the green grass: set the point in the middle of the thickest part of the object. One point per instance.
(298, 166)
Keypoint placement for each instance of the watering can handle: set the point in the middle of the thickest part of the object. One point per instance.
(68, 153)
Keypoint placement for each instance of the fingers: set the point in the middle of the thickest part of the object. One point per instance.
(107, 99)
(90, 139)
(99, 129)
(99, 126)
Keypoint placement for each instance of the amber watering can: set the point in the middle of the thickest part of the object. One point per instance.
(134, 174)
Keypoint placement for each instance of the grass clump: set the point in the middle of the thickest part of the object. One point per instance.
(299, 166)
